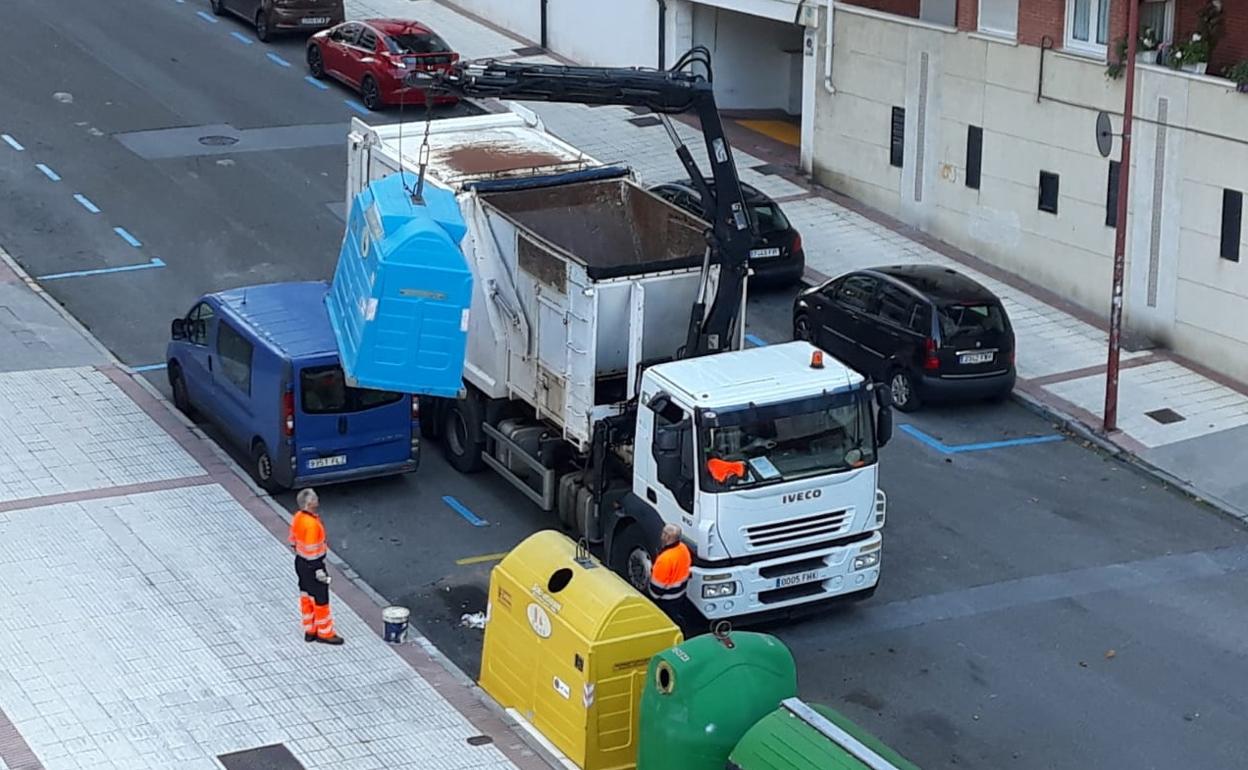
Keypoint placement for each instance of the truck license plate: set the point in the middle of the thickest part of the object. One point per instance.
(788, 581)
(764, 253)
(975, 358)
(327, 462)
(310, 20)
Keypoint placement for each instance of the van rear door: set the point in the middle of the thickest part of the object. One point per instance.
(339, 428)
(976, 338)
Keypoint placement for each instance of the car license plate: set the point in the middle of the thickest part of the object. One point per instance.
(327, 462)
(764, 253)
(788, 581)
(975, 358)
(309, 20)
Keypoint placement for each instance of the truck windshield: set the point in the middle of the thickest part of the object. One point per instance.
(769, 444)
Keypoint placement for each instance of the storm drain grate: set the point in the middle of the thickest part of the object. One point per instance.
(529, 50)
(648, 120)
(275, 757)
(480, 740)
(1166, 416)
(218, 141)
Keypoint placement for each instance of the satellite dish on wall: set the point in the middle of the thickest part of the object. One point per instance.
(1104, 134)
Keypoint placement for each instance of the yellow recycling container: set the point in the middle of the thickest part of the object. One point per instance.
(567, 645)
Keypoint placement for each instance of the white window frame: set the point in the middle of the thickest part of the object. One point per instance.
(1089, 46)
(1011, 34)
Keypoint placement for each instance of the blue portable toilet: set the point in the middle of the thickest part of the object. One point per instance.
(401, 292)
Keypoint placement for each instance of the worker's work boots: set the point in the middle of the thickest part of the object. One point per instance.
(335, 639)
(309, 637)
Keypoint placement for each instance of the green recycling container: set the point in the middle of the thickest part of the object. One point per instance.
(703, 695)
(798, 736)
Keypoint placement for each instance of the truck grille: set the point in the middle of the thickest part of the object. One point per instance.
(800, 528)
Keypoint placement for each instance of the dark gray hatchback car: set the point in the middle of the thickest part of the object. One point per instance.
(273, 16)
(929, 332)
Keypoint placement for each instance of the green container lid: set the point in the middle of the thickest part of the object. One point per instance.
(703, 695)
(798, 736)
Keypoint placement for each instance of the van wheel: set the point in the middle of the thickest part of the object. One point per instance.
(262, 469)
(461, 442)
(181, 397)
(905, 394)
(630, 557)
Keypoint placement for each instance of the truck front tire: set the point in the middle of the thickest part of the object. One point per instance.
(631, 558)
(461, 435)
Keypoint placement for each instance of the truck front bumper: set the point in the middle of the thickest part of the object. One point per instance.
(789, 581)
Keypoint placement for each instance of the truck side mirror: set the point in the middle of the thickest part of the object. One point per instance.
(884, 415)
(177, 329)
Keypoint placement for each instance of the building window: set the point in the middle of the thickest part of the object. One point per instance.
(974, 155)
(1232, 221)
(1087, 25)
(897, 137)
(1158, 15)
(999, 17)
(1111, 195)
(1048, 192)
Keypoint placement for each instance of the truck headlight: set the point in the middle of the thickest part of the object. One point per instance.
(717, 590)
(866, 560)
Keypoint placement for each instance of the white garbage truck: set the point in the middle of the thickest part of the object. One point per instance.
(606, 377)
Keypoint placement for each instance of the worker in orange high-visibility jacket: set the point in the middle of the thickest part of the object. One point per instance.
(669, 575)
(307, 538)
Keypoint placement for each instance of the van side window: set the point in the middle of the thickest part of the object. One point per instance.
(199, 319)
(324, 390)
(235, 353)
(856, 292)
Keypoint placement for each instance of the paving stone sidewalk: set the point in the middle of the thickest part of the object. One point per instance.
(150, 610)
(1175, 418)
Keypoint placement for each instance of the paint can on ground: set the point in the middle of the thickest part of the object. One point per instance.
(394, 620)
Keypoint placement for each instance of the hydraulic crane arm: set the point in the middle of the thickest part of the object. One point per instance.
(665, 92)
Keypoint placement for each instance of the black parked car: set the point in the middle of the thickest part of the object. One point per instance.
(930, 332)
(777, 257)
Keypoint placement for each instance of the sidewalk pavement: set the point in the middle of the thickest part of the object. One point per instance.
(1177, 420)
(149, 605)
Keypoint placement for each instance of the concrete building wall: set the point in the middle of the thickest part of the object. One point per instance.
(1179, 290)
(523, 17)
(611, 33)
(757, 61)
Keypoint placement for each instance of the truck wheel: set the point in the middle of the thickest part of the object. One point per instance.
(630, 558)
(262, 469)
(461, 430)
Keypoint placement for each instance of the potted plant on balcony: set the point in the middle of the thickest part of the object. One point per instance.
(1239, 73)
(1191, 55)
(1147, 46)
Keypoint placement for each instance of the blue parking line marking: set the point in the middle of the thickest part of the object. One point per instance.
(148, 368)
(127, 237)
(86, 203)
(206, 17)
(277, 59)
(462, 510)
(49, 173)
(756, 341)
(153, 262)
(316, 82)
(240, 37)
(946, 449)
(10, 141)
(353, 104)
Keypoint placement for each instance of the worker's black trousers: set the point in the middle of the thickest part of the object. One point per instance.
(306, 569)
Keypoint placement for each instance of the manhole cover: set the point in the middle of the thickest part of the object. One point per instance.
(275, 757)
(480, 740)
(1165, 416)
(218, 141)
(648, 120)
(529, 50)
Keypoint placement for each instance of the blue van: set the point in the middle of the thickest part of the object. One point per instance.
(261, 362)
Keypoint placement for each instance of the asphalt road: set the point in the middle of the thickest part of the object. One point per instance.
(1042, 606)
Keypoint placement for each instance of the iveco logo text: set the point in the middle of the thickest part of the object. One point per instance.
(809, 494)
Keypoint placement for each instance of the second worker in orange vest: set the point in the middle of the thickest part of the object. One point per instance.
(669, 575)
(307, 538)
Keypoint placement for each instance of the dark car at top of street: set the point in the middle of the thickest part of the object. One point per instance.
(376, 58)
(929, 332)
(776, 257)
(273, 16)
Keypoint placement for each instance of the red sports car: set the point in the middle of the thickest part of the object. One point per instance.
(375, 56)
